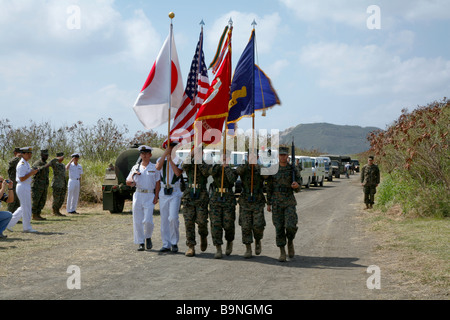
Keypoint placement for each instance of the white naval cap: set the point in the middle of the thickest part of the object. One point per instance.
(145, 148)
(26, 149)
(75, 155)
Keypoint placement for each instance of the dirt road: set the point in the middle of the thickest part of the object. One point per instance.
(333, 253)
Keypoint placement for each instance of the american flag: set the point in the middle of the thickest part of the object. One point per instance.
(196, 89)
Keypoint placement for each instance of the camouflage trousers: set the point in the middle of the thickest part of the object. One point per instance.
(59, 194)
(195, 213)
(285, 220)
(369, 194)
(39, 198)
(13, 206)
(252, 222)
(222, 216)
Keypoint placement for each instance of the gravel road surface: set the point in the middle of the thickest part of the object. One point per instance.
(333, 253)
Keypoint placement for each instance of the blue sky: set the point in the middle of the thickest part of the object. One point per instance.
(324, 61)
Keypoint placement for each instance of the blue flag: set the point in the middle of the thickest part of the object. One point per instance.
(251, 89)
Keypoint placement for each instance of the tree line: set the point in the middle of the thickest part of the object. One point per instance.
(101, 141)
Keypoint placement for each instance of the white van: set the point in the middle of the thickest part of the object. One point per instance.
(318, 168)
(328, 168)
(305, 163)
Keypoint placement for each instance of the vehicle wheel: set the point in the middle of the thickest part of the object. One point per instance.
(321, 182)
(308, 184)
(330, 178)
(316, 184)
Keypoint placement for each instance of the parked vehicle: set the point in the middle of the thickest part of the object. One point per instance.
(305, 163)
(355, 164)
(335, 168)
(328, 168)
(114, 188)
(318, 171)
(340, 162)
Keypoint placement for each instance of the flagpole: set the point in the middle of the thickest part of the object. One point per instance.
(230, 22)
(253, 105)
(199, 60)
(171, 16)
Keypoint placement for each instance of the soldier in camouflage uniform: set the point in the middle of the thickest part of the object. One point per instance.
(195, 205)
(59, 184)
(251, 206)
(370, 178)
(222, 206)
(281, 201)
(13, 206)
(39, 185)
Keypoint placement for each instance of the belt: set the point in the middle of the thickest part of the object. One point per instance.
(282, 189)
(249, 192)
(143, 190)
(222, 190)
(197, 187)
(175, 186)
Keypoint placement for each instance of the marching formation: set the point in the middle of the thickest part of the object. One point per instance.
(153, 185)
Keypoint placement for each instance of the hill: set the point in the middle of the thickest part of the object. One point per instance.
(328, 138)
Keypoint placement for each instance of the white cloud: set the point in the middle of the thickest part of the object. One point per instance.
(353, 12)
(276, 68)
(349, 12)
(41, 28)
(371, 70)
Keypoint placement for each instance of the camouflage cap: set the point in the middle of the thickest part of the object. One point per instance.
(283, 149)
(44, 152)
(60, 154)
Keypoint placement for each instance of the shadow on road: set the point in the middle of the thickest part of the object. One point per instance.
(296, 262)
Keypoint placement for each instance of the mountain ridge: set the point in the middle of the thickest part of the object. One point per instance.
(328, 138)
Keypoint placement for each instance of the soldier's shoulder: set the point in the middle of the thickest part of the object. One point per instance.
(14, 160)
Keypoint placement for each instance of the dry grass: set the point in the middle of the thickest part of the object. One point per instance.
(415, 252)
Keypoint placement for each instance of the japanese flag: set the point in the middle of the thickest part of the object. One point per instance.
(152, 103)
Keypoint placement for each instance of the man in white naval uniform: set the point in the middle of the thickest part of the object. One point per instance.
(23, 189)
(74, 184)
(145, 178)
(170, 198)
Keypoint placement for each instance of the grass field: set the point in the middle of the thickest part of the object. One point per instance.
(416, 251)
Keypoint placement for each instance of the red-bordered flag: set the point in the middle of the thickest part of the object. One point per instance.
(214, 110)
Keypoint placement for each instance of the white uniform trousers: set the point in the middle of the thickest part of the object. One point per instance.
(73, 193)
(142, 216)
(23, 191)
(169, 208)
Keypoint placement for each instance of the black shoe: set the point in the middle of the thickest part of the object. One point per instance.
(164, 249)
(141, 247)
(148, 243)
(174, 248)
